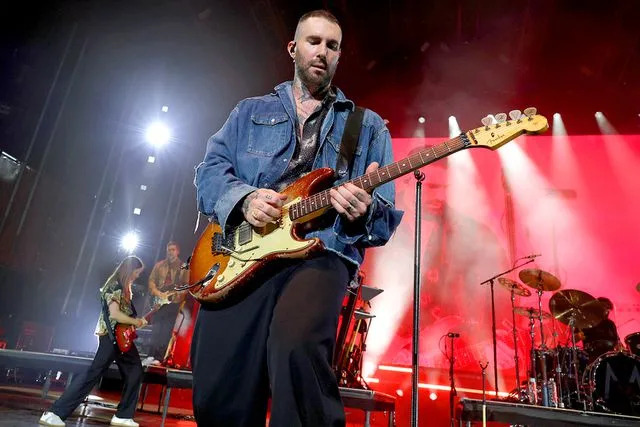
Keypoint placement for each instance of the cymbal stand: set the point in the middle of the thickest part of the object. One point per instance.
(531, 386)
(515, 341)
(558, 365)
(574, 362)
(543, 356)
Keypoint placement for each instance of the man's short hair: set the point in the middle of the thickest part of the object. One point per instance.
(319, 13)
(173, 243)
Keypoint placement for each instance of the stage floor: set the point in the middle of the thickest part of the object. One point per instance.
(22, 406)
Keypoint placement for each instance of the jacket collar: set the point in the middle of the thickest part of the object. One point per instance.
(285, 92)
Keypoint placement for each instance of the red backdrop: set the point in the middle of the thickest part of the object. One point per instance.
(572, 199)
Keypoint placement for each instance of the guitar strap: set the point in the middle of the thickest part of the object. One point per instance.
(349, 142)
(107, 322)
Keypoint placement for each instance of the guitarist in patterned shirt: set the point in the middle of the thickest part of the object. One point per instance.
(115, 297)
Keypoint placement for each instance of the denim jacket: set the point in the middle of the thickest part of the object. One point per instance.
(254, 146)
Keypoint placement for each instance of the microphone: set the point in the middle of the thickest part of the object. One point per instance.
(453, 335)
(531, 256)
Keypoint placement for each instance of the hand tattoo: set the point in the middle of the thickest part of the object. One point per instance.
(247, 200)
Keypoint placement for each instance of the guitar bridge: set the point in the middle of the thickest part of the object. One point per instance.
(221, 244)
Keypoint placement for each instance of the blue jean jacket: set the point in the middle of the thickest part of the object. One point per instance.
(254, 146)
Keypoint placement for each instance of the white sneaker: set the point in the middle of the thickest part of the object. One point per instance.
(147, 361)
(127, 422)
(51, 419)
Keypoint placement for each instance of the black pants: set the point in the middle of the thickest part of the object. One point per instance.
(130, 370)
(279, 339)
(162, 327)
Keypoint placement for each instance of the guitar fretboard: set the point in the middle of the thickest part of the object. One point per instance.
(382, 175)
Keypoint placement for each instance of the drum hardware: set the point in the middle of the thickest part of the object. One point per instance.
(515, 289)
(577, 309)
(541, 281)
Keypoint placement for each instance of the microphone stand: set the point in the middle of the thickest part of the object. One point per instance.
(491, 281)
(452, 391)
(416, 299)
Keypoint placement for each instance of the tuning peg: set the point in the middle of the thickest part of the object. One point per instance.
(515, 114)
(501, 117)
(530, 112)
(487, 121)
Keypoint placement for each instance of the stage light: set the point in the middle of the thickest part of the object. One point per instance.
(604, 124)
(137, 211)
(129, 241)
(158, 134)
(143, 187)
(433, 396)
(558, 128)
(399, 392)
(454, 129)
(151, 159)
(421, 120)
(165, 108)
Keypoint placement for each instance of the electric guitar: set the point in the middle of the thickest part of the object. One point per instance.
(222, 263)
(126, 334)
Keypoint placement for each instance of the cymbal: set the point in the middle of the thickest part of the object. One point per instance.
(517, 288)
(585, 310)
(531, 312)
(538, 279)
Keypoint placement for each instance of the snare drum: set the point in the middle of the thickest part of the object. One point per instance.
(613, 380)
(633, 343)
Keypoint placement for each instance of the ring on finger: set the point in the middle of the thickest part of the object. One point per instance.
(354, 202)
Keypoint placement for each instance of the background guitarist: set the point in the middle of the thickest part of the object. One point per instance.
(115, 296)
(165, 275)
(279, 340)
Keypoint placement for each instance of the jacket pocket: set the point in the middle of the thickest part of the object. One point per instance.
(269, 133)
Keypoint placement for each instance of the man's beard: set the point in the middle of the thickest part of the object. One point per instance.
(312, 80)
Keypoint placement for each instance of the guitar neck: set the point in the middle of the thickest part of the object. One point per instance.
(152, 311)
(322, 201)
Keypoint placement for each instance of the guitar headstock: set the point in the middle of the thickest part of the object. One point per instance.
(497, 131)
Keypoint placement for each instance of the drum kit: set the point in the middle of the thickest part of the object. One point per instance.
(602, 376)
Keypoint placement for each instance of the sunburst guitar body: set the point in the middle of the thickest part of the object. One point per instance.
(222, 263)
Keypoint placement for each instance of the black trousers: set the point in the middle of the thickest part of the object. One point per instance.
(162, 326)
(130, 370)
(279, 339)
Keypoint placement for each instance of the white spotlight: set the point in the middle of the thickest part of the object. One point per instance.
(558, 125)
(604, 124)
(433, 395)
(151, 159)
(158, 134)
(454, 129)
(137, 211)
(165, 108)
(143, 187)
(129, 241)
(421, 120)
